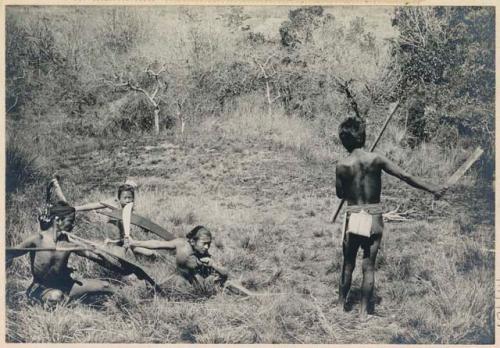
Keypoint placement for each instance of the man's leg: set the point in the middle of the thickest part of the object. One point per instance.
(370, 250)
(350, 249)
(88, 287)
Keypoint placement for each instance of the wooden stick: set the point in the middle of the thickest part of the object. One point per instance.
(123, 263)
(341, 204)
(47, 249)
(231, 285)
(57, 189)
(464, 167)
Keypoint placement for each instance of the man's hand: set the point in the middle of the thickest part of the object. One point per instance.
(131, 242)
(207, 261)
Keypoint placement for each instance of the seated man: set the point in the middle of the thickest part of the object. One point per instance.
(125, 196)
(52, 280)
(195, 267)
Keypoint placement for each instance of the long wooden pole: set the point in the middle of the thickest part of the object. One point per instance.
(341, 204)
(48, 249)
(464, 167)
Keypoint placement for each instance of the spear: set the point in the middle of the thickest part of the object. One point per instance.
(340, 205)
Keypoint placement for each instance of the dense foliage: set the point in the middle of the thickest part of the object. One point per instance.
(447, 61)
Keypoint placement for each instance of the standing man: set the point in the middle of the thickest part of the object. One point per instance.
(358, 181)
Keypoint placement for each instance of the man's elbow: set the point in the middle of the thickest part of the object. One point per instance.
(411, 180)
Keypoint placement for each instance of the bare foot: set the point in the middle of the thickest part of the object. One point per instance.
(129, 279)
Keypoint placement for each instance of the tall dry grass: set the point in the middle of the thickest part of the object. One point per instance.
(264, 185)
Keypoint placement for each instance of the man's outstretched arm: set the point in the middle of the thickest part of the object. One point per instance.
(95, 205)
(156, 244)
(30, 242)
(89, 206)
(391, 168)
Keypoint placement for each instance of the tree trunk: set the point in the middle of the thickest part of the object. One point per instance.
(157, 120)
(269, 101)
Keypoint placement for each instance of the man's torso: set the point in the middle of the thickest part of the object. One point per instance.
(360, 174)
(49, 266)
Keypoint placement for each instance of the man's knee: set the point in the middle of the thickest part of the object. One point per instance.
(349, 267)
(53, 296)
(106, 286)
(368, 266)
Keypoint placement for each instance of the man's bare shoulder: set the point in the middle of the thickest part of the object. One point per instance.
(378, 158)
(35, 240)
(358, 156)
(342, 162)
(185, 256)
(38, 237)
(183, 249)
(345, 162)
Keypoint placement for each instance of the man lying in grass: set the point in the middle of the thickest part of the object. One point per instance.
(195, 267)
(126, 195)
(358, 181)
(52, 280)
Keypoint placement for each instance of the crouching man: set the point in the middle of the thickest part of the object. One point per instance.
(194, 266)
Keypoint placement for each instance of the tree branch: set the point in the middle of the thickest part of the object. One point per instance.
(344, 87)
(156, 74)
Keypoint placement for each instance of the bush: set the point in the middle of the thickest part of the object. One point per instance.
(448, 52)
(298, 29)
(21, 168)
(136, 115)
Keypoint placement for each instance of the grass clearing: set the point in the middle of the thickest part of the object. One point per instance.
(247, 179)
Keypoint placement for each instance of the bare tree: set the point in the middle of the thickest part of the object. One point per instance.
(345, 87)
(268, 72)
(152, 96)
(181, 115)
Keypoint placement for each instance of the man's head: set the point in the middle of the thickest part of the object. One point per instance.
(200, 239)
(126, 194)
(62, 214)
(352, 133)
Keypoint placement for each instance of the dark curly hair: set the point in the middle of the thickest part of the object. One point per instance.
(61, 209)
(352, 133)
(196, 233)
(125, 188)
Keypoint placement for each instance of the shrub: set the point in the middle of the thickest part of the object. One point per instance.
(21, 167)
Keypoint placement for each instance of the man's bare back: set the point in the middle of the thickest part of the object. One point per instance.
(359, 178)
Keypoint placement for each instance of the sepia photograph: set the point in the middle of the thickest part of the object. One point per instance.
(236, 174)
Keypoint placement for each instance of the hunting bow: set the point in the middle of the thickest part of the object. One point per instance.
(340, 205)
